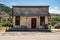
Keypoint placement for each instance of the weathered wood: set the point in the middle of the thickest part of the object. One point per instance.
(20, 11)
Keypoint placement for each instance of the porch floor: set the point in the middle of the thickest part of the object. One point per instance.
(28, 29)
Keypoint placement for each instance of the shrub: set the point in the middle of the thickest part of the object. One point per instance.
(10, 20)
(6, 23)
(54, 19)
(57, 26)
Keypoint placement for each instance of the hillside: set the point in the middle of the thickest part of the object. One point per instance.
(4, 8)
(5, 12)
(54, 14)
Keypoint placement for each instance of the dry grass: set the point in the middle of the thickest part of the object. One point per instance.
(55, 30)
(2, 28)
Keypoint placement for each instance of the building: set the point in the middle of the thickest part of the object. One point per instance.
(30, 17)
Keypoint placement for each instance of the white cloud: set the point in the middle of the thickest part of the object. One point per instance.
(0, 2)
(13, 3)
(56, 7)
(54, 10)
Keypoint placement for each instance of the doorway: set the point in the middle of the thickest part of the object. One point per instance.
(33, 23)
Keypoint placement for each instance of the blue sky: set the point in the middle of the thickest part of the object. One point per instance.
(54, 4)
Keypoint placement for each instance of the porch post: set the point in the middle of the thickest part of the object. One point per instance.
(13, 21)
(26, 21)
(46, 19)
(46, 22)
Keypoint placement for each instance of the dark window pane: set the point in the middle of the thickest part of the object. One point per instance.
(42, 20)
(17, 20)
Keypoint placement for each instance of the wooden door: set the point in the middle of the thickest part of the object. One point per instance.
(33, 23)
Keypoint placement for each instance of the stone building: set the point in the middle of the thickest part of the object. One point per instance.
(30, 17)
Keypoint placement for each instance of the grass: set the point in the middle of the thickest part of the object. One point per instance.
(53, 29)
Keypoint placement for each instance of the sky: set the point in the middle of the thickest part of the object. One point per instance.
(54, 5)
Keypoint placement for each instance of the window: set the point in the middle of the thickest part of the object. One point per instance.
(17, 20)
(42, 21)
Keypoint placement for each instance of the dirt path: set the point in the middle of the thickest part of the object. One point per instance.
(29, 36)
